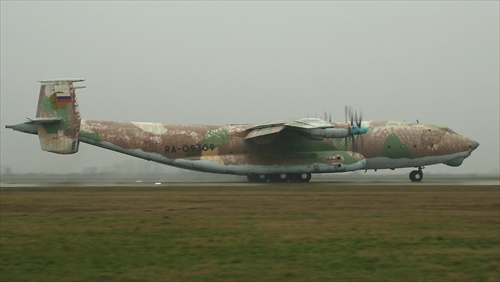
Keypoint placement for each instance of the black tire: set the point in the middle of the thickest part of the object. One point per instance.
(252, 178)
(416, 175)
(302, 177)
(258, 178)
(262, 178)
(281, 177)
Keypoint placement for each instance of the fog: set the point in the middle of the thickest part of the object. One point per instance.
(251, 62)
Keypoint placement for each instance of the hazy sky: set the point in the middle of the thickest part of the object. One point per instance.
(252, 62)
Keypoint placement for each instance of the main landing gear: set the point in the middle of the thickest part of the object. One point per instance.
(281, 177)
(417, 175)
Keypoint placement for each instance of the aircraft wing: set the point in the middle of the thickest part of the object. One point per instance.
(308, 123)
(313, 128)
(257, 132)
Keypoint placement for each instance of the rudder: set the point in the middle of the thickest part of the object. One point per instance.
(58, 117)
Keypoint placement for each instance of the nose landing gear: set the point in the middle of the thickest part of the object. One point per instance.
(417, 175)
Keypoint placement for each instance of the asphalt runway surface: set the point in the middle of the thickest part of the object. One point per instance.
(323, 181)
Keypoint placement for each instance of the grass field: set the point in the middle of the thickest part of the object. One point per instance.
(249, 233)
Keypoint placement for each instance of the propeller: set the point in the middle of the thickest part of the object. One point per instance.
(355, 127)
(327, 117)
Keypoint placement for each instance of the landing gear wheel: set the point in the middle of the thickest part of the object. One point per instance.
(416, 175)
(282, 177)
(258, 178)
(302, 177)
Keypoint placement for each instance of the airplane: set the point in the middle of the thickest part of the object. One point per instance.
(280, 151)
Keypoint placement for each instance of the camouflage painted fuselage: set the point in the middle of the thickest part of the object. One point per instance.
(224, 149)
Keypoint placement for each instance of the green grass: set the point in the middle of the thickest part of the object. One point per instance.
(249, 233)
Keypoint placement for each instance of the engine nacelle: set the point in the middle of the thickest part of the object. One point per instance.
(321, 133)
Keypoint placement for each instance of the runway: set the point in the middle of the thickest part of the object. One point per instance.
(242, 181)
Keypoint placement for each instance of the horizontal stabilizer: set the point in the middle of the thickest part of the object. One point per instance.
(61, 80)
(46, 120)
(26, 127)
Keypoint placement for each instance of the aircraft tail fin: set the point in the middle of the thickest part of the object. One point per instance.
(57, 116)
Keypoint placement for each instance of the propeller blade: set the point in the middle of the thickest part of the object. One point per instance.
(355, 128)
(345, 113)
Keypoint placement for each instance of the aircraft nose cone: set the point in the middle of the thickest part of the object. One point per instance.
(474, 144)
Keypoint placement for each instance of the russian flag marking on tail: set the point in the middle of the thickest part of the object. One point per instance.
(63, 98)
